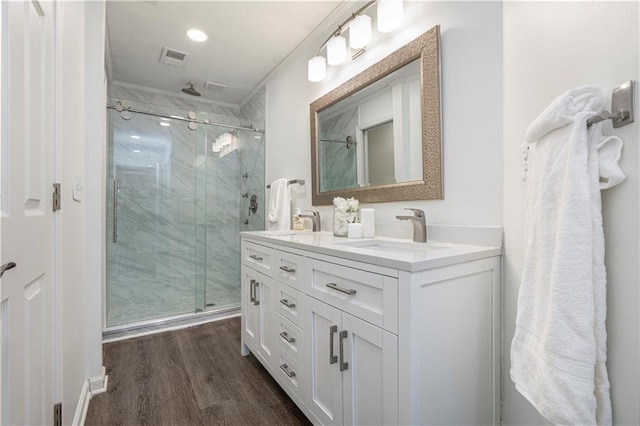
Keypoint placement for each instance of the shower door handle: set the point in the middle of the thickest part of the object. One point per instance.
(115, 210)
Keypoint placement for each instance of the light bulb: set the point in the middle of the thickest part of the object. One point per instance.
(390, 14)
(336, 50)
(317, 70)
(360, 32)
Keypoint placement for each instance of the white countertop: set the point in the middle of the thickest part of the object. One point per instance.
(388, 252)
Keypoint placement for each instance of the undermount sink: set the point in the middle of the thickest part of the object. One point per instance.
(397, 247)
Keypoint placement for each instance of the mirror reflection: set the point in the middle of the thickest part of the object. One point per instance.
(373, 136)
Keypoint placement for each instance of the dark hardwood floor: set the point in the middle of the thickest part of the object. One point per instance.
(193, 376)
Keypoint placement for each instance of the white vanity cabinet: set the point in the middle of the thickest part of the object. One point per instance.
(356, 337)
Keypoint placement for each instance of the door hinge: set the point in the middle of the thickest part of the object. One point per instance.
(57, 414)
(56, 197)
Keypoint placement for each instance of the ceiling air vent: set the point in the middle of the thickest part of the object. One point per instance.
(214, 87)
(173, 57)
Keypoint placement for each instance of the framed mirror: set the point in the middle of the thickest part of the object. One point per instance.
(377, 137)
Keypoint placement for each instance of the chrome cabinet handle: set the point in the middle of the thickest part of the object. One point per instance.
(285, 368)
(332, 358)
(255, 293)
(115, 211)
(287, 269)
(256, 257)
(343, 365)
(252, 294)
(6, 267)
(335, 286)
(286, 337)
(286, 303)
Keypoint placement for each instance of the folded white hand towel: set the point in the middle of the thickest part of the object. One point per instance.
(558, 353)
(279, 206)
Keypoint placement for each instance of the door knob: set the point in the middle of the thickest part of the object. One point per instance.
(6, 267)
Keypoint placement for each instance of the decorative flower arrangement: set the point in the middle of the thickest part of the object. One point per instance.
(344, 212)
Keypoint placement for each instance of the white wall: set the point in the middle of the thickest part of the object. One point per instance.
(471, 111)
(79, 95)
(549, 48)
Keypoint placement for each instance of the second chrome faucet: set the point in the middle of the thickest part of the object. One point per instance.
(315, 219)
(419, 222)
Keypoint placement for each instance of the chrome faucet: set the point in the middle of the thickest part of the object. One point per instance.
(419, 223)
(315, 219)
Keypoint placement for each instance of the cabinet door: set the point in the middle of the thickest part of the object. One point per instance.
(323, 393)
(250, 310)
(370, 380)
(267, 321)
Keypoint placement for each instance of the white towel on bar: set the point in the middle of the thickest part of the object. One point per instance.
(558, 353)
(279, 207)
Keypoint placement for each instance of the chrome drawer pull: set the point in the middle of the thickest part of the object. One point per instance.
(343, 365)
(256, 258)
(286, 337)
(332, 358)
(335, 286)
(286, 303)
(285, 368)
(287, 269)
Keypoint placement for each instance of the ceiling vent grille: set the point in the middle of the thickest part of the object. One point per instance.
(173, 57)
(214, 87)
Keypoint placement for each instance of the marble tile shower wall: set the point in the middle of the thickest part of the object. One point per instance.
(252, 150)
(151, 270)
(338, 165)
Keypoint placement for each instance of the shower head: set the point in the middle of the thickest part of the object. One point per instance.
(191, 90)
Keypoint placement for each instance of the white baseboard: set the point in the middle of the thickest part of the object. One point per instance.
(82, 406)
(90, 387)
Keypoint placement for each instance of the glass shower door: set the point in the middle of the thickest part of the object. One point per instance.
(151, 220)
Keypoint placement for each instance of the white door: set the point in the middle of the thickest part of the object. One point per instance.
(323, 394)
(27, 137)
(370, 380)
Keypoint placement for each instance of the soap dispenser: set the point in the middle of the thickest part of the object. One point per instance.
(298, 224)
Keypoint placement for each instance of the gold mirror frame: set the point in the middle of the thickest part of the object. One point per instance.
(426, 48)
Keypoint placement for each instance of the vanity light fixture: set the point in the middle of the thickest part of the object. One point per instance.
(196, 35)
(390, 14)
(336, 50)
(360, 32)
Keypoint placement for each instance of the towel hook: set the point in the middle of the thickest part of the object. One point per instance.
(622, 112)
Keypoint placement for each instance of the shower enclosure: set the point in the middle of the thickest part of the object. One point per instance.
(179, 187)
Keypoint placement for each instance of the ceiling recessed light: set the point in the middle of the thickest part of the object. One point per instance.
(135, 137)
(196, 35)
(165, 124)
(136, 150)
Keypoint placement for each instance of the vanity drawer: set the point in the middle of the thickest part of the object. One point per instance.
(290, 374)
(368, 296)
(291, 338)
(289, 269)
(290, 303)
(258, 257)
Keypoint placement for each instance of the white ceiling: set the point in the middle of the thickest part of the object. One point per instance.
(247, 40)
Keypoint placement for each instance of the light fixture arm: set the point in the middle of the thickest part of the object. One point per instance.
(345, 25)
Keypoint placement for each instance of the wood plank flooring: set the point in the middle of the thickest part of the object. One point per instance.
(193, 376)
